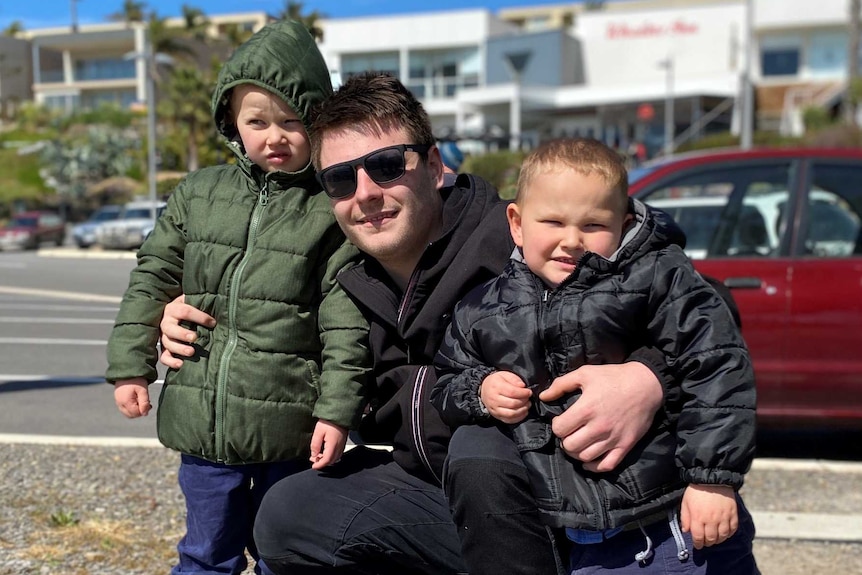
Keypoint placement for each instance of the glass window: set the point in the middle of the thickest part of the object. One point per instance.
(832, 223)
(779, 62)
(727, 212)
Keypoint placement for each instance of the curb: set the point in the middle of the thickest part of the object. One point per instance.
(807, 526)
(96, 254)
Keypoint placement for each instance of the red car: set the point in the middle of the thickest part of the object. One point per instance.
(28, 230)
(783, 229)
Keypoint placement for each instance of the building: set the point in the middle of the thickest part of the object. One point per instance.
(659, 72)
(102, 63)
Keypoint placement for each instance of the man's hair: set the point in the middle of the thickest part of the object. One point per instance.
(583, 155)
(370, 104)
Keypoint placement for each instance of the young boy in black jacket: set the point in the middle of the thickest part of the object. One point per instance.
(596, 276)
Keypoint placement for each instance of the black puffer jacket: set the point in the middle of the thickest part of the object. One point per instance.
(646, 294)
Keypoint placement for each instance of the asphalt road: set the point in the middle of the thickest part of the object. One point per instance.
(56, 314)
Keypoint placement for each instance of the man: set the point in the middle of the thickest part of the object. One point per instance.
(426, 246)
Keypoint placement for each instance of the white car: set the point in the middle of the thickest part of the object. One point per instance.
(132, 227)
(86, 233)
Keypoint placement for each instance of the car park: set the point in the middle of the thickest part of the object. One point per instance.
(85, 234)
(782, 228)
(29, 230)
(132, 227)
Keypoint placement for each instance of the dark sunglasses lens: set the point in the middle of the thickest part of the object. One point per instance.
(385, 166)
(339, 181)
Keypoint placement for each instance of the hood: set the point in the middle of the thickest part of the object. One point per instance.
(282, 58)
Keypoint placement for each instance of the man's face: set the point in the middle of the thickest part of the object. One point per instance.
(272, 134)
(391, 222)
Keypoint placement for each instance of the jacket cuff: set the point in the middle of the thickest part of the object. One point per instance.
(654, 360)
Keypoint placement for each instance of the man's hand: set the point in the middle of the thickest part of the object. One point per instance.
(132, 397)
(615, 410)
(505, 396)
(327, 444)
(709, 513)
(175, 338)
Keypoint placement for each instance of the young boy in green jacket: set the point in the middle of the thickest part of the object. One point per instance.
(280, 378)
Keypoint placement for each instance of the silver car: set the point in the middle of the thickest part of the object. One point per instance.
(131, 229)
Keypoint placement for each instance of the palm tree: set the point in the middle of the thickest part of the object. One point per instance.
(132, 11)
(185, 106)
(196, 22)
(293, 11)
(13, 29)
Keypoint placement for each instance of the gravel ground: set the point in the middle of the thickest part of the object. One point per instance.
(109, 510)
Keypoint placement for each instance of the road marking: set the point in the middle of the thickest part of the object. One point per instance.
(73, 320)
(51, 341)
(12, 377)
(39, 307)
(60, 294)
(803, 465)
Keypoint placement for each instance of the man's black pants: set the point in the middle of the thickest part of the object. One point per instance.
(367, 515)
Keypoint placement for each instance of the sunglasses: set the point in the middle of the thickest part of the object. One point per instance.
(382, 166)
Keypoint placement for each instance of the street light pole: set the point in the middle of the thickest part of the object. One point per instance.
(151, 127)
(745, 136)
(669, 120)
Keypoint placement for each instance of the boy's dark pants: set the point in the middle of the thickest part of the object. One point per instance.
(367, 515)
(221, 503)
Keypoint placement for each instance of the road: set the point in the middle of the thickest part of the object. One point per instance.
(56, 314)
(55, 317)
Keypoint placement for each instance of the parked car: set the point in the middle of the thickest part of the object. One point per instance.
(783, 229)
(132, 227)
(28, 230)
(85, 234)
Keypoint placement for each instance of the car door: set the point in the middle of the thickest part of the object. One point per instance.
(824, 339)
(741, 239)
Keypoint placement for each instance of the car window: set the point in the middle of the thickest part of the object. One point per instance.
(730, 212)
(137, 213)
(22, 222)
(832, 226)
(105, 215)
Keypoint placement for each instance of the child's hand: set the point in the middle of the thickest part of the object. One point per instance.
(132, 397)
(506, 396)
(327, 444)
(709, 513)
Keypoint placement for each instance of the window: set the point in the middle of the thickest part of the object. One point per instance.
(780, 62)
(832, 226)
(732, 212)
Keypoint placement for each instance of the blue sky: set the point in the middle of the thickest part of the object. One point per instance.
(49, 13)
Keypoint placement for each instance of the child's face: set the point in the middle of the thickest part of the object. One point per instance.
(272, 134)
(563, 215)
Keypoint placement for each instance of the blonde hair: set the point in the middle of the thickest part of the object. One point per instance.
(585, 156)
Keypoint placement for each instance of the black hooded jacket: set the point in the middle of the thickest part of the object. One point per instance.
(646, 294)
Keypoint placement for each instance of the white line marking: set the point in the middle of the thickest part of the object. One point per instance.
(38, 307)
(56, 341)
(10, 377)
(73, 320)
(809, 526)
(803, 465)
(60, 294)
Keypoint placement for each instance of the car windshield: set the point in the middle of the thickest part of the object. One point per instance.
(105, 215)
(22, 223)
(137, 213)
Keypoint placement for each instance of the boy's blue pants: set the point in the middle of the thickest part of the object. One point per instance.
(221, 503)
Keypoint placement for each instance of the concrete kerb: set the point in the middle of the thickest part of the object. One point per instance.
(769, 524)
(91, 253)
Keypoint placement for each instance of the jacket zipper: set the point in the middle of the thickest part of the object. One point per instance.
(230, 346)
(416, 420)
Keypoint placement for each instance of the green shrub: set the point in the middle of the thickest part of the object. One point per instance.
(499, 168)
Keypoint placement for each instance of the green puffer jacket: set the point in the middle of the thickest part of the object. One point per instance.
(260, 253)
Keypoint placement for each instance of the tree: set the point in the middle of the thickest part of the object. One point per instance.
(132, 11)
(195, 21)
(185, 105)
(293, 11)
(13, 29)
